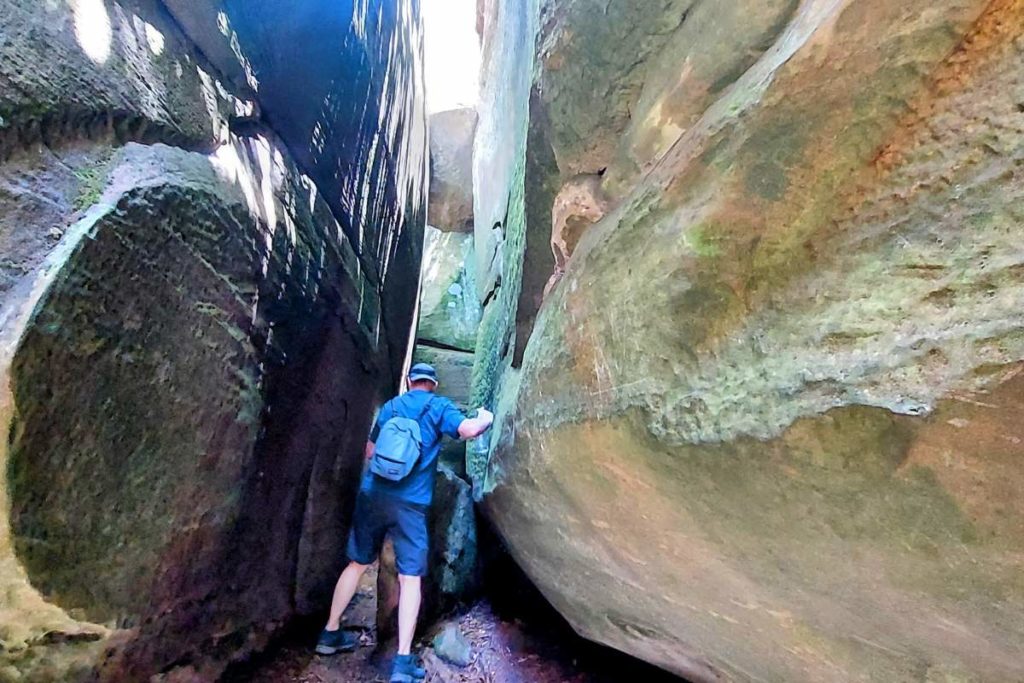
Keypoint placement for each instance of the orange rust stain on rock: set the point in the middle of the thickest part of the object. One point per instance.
(1001, 23)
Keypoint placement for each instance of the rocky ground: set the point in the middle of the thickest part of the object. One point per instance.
(503, 649)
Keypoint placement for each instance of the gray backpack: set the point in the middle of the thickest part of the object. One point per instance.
(398, 446)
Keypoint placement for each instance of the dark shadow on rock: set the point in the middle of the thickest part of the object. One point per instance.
(515, 599)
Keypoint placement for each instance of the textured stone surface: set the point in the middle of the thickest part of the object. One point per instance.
(579, 204)
(191, 346)
(103, 69)
(341, 83)
(590, 79)
(765, 427)
(150, 359)
(498, 164)
(449, 310)
(709, 50)
(499, 178)
(451, 646)
(451, 170)
(40, 192)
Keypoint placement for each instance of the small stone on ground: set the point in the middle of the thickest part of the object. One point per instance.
(452, 647)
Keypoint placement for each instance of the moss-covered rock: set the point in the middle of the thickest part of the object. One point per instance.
(449, 309)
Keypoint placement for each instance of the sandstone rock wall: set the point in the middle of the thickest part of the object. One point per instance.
(194, 328)
(765, 426)
(499, 186)
(341, 84)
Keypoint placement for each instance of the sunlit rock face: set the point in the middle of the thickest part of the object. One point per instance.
(194, 326)
(766, 423)
(103, 70)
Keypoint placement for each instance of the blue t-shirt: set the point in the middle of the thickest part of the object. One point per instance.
(442, 418)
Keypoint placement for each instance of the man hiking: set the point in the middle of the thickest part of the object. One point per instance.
(394, 499)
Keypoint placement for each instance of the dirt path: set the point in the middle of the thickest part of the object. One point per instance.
(504, 651)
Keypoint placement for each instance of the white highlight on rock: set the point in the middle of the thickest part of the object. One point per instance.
(155, 39)
(359, 11)
(93, 29)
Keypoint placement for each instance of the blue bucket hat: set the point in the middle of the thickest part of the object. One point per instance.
(422, 371)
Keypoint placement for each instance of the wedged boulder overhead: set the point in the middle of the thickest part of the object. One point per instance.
(193, 335)
(451, 170)
(766, 424)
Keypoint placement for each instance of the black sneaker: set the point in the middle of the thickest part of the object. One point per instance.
(333, 642)
(405, 670)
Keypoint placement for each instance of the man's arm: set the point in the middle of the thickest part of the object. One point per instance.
(368, 453)
(472, 427)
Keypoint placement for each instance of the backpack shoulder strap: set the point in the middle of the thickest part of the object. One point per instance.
(426, 408)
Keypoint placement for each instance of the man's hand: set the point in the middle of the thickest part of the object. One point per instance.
(475, 426)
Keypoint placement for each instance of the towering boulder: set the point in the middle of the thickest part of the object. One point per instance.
(765, 426)
(194, 327)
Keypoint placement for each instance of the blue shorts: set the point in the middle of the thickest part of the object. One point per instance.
(378, 515)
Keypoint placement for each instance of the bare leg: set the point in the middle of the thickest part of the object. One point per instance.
(408, 611)
(348, 583)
